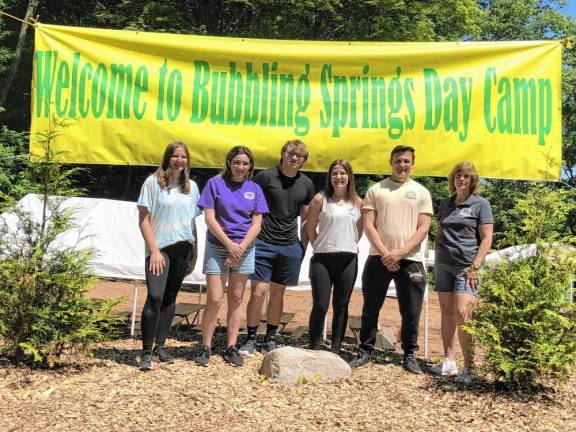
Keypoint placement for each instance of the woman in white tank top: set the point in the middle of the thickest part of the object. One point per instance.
(334, 227)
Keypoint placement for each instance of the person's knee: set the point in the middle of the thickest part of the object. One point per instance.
(153, 302)
(320, 308)
(257, 296)
(234, 299)
(276, 295)
(214, 300)
(462, 314)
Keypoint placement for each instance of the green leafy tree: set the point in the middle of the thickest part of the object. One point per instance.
(527, 320)
(43, 309)
(13, 161)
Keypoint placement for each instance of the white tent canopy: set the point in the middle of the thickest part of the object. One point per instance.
(110, 227)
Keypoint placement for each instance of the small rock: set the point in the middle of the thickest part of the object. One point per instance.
(292, 366)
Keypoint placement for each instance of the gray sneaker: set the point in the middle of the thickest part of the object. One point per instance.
(233, 357)
(269, 345)
(363, 358)
(163, 355)
(248, 348)
(145, 363)
(411, 364)
(466, 377)
(203, 357)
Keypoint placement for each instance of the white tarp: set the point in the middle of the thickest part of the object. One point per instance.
(111, 228)
(513, 253)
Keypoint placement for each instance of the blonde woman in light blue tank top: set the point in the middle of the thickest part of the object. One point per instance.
(334, 227)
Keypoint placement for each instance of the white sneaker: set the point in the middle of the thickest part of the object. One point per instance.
(446, 367)
(466, 377)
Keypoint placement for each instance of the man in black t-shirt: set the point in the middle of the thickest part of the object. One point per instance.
(279, 251)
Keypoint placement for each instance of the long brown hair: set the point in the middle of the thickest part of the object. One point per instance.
(164, 173)
(350, 188)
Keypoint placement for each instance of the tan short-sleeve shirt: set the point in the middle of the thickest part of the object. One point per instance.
(397, 206)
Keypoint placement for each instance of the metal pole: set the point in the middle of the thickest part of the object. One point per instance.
(425, 254)
(135, 295)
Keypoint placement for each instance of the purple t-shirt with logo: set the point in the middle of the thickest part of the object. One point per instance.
(234, 205)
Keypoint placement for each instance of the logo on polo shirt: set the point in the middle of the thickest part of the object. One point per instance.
(249, 195)
(466, 212)
(410, 195)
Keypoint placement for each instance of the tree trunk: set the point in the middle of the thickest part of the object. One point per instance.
(30, 12)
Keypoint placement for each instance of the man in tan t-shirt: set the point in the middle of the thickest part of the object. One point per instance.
(396, 214)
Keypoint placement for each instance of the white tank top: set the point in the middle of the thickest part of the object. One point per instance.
(337, 228)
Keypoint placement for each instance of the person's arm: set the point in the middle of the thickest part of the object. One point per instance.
(438, 235)
(312, 219)
(360, 221)
(303, 220)
(192, 263)
(234, 249)
(422, 228)
(157, 261)
(369, 221)
(485, 231)
(253, 231)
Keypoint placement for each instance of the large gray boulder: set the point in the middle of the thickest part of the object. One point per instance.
(292, 366)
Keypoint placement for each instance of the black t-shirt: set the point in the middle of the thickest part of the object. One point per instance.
(284, 196)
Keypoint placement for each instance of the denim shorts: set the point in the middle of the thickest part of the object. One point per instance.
(446, 279)
(216, 255)
(278, 263)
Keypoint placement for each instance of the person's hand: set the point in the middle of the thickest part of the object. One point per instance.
(157, 263)
(390, 264)
(394, 267)
(394, 256)
(235, 250)
(471, 277)
(392, 260)
(231, 261)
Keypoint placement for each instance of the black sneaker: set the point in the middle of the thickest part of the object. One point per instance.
(203, 357)
(233, 357)
(363, 358)
(163, 355)
(411, 364)
(145, 361)
(269, 345)
(248, 348)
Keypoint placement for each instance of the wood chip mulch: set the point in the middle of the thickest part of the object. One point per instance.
(108, 393)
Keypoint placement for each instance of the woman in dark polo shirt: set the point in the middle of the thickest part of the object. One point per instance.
(463, 238)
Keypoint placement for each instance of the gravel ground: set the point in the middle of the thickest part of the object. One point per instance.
(107, 392)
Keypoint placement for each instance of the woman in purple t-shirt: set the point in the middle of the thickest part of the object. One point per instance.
(233, 206)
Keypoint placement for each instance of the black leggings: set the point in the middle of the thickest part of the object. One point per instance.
(327, 269)
(162, 291)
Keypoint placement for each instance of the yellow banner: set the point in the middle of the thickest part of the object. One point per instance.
(497, 104)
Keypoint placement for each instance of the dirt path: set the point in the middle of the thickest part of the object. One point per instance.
(297, 302)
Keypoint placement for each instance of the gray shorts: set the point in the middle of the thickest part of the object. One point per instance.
(446, 279)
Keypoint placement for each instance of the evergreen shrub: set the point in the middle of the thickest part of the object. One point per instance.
(43, 307)
(526, 320)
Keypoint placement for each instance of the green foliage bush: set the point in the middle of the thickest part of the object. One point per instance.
(526, 320)
(43, 309)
